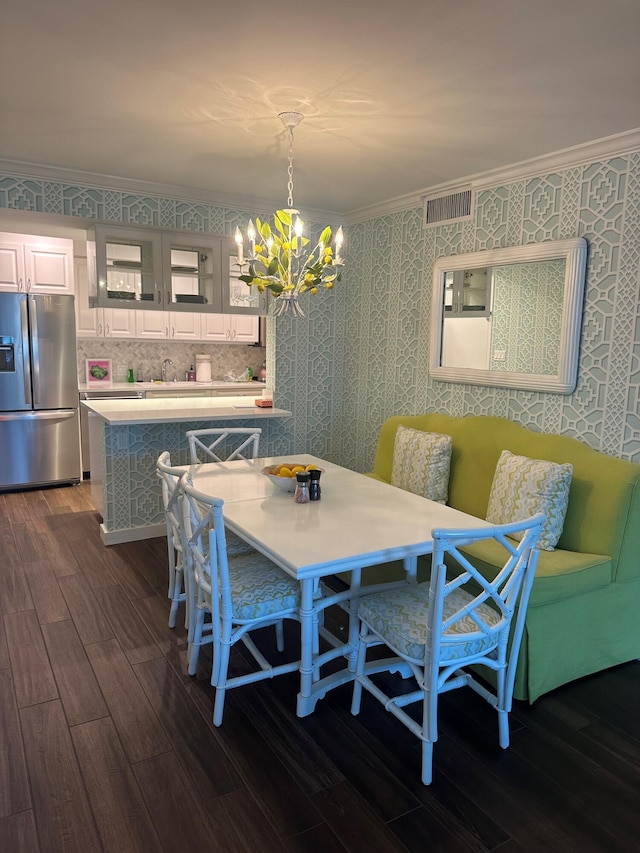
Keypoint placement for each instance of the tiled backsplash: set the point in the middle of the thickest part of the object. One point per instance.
(147, 356)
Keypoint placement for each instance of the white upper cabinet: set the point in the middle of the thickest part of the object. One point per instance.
(98, 322)
(230, 328)
(171, 325)
(36, 264)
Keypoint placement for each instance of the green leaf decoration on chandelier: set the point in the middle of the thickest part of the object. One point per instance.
(280, 262)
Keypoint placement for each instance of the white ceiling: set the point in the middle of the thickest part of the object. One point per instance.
(397, 96)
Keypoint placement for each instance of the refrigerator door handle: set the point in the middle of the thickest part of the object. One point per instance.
(38, 416)
(35, 351)
(24, 328)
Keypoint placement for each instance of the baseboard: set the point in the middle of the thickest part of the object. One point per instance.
(132, 534)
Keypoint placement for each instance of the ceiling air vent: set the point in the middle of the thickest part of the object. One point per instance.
(447, 208)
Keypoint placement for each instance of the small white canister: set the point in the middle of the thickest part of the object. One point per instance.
(203, 368)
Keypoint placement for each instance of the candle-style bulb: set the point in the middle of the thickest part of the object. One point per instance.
(339, 239)
(239, 244)
(251, 231)
(298, 227)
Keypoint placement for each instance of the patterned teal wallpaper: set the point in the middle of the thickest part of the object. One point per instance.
(383, 327)
(361, 353)
(527, 316)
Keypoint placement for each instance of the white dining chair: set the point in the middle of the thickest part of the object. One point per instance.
(171, 498)
(227, 444)
(438, 629)
(234, 596)
(223, 444)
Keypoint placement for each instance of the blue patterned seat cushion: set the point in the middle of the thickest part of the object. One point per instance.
(400, 618)
(259, 588)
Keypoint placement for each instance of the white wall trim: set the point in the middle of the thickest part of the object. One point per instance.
(609, 146)
(132, 534)
(189, 195)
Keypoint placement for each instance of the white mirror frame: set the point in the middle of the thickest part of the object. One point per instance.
(564, 382)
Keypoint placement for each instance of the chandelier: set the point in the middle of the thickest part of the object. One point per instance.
(280, 257)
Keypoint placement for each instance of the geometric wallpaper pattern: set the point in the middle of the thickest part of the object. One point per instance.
(384, 311)
(361, 352)
(526, 316)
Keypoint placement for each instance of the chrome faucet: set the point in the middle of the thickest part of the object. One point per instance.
(163, 369)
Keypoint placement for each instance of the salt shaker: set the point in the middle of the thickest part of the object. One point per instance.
(302, 488)
(314, 484)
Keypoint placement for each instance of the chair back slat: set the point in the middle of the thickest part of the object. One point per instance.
(206, 545)
(171, 496)
(502, 593)
(212, 445)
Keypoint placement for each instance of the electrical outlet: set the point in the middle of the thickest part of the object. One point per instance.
(499, 355)
(122, 439)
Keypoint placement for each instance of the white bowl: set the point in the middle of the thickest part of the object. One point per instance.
(285, 484)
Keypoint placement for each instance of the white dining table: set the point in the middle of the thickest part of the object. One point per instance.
(358, 522)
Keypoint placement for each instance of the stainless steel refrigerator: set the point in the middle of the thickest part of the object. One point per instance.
(39, 425)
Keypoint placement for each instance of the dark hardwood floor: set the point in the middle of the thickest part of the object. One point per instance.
(106, 743)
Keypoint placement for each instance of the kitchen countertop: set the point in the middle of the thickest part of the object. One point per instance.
(169, 410)
(179, 386)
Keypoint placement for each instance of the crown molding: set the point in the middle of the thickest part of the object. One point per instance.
(189, 195)
(609, 146)
(577, 155)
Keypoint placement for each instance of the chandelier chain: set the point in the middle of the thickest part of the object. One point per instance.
(290, 169)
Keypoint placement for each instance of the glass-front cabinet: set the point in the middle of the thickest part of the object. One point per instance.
(238, 297)
(169, 271)
(467, 293)
(128, 266)
(192, 264)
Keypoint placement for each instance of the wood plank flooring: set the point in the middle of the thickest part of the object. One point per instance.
(106, 743)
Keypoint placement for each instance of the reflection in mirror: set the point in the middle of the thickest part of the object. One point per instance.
(509, 316)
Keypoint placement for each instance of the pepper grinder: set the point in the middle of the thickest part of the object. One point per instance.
(314, 484)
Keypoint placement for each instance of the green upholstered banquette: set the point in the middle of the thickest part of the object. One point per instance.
(584, 611)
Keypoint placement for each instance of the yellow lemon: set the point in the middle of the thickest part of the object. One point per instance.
(285, 472)
(312, 468)
(297, 468)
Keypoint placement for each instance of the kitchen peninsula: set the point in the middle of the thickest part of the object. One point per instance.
(127, 436)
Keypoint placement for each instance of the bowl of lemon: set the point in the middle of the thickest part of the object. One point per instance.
(283, 475)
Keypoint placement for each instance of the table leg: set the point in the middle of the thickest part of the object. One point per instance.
(307, 615)
(353, 620)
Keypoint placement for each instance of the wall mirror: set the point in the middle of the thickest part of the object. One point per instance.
(509, 317)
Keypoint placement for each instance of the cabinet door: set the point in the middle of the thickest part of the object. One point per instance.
(215, 328)
(244, 329)
(230, 328)
(153, 325)
(238, 297)
(12, 275)
(119, 323)
(89, 321)
(192, 272)
(185, 327)
(129, 268)
(49, 265)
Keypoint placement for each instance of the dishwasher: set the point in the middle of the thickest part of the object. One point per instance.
(84, 419)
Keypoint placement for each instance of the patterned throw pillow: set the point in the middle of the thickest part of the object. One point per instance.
(523, 487)
(421, 462)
